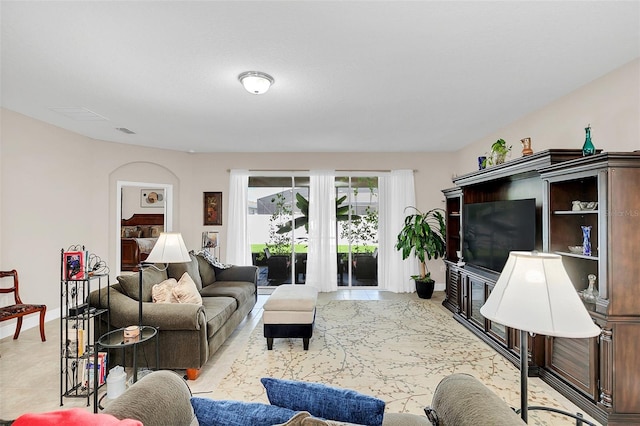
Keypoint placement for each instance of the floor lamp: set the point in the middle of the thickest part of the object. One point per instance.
(169, 248)
(535, 295)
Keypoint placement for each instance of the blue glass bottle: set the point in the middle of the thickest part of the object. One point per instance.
(588, 148)
(586, 240)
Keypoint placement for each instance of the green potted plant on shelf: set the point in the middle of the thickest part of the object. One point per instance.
(423, 235)
(498, 154)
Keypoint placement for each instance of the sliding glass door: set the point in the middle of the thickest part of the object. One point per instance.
(357, 220)
(278, 214)
(277, 229)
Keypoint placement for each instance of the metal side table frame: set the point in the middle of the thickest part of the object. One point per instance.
(115, 340)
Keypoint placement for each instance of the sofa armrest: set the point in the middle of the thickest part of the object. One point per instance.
(238, 273)
(123, 311)
(462, 400)
(159, 398)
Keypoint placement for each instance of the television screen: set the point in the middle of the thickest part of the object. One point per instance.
(493, 229)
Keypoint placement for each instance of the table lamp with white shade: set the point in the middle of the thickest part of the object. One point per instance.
(169, 248)
(534, 294)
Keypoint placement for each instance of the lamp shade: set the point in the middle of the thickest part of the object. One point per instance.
(169, 248)
(534, 294)
(256, 82)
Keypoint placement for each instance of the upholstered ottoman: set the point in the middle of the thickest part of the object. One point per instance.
(290, 312)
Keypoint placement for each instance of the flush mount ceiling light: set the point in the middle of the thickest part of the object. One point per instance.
(256, 82)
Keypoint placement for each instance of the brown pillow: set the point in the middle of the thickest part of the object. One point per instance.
(162, 292)
(145, 231)
(186, 292)
(155, 231)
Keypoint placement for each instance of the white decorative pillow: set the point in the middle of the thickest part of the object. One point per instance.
(161, 292)
(186, 291)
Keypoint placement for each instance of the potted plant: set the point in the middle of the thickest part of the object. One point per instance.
(423, 235)
(498, 154)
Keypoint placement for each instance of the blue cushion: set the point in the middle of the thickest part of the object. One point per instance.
(325, 401)
(210, 412)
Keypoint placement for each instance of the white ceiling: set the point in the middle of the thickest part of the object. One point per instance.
(350, 76)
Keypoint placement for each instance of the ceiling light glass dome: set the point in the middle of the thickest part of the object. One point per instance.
(256, 82)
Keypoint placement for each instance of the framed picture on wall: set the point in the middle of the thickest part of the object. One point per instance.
(212, 208)
(209, 240)
(152, 197)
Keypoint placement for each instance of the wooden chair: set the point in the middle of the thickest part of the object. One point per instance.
(19, 309)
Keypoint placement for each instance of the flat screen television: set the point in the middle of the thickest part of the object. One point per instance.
(493, 229)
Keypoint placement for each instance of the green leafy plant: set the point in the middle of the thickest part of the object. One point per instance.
(342, 214)
(498, 154)
(279, 243)
(422, 235)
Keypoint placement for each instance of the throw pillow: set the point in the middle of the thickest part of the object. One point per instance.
(304, 419)
(325, 401)
(162, 292)
(212, 412)
(176, 270)
(150, 276)
(212, 260)
(186, 291)
(72, 417)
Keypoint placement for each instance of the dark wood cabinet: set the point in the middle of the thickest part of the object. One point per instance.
(600, 375)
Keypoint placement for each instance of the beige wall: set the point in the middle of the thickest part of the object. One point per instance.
(610, 104)
(58, 188)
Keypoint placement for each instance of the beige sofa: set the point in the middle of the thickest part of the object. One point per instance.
(188, 333)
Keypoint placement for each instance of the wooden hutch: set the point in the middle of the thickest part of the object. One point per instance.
(600, 375)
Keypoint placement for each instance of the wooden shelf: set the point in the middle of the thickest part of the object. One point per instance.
(576, 255)
(576, 212)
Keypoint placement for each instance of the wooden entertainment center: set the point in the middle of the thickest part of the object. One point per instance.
(600, 375)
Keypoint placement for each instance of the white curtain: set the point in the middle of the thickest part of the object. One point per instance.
(238, 245)
(322, 257)
(397, 191)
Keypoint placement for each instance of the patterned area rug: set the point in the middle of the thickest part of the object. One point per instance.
(395, 350)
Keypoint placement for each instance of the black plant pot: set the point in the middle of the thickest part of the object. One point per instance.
(425, 288)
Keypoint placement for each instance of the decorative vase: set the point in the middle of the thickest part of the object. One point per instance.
(500, 158)
(526, 147)
(482, 162)
(591, 293)
(588, 148)
(586, 240)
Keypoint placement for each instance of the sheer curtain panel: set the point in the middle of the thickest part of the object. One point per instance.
(238, 246)
(322, 257)
(397, 191)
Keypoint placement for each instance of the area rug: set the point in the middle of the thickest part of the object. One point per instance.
(397, 351)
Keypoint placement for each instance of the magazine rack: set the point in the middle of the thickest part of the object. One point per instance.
(82, 367)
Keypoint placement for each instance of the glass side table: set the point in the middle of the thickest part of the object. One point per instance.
(115, 340)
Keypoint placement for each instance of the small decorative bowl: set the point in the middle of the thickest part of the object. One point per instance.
(575, 249)
(588, 205)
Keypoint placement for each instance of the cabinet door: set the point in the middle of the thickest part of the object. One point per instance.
(477, 297)
(497, 330)
(576, 361)
(464, 295)
(453, 288)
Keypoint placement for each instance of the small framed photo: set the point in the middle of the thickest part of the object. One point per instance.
(212, 208)
(209, 240)
(153, 197)
(73, 265)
